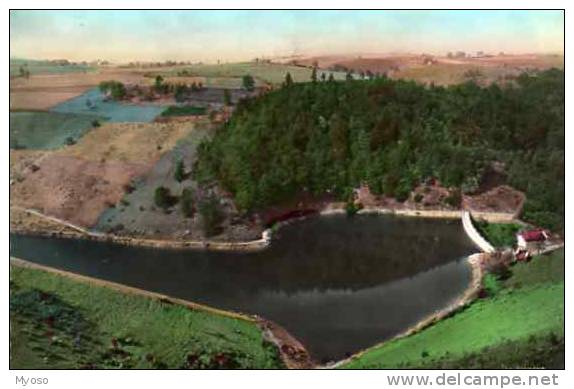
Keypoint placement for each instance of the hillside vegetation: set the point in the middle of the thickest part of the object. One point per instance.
(60, 323)
(329, 137)
(519, 325)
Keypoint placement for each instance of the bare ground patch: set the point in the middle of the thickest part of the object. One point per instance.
(77, 183)
(43, 91)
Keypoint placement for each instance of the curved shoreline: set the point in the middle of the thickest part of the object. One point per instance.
(475, 261)
(240, 246)
(293, 353)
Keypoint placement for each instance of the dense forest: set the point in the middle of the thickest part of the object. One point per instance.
(331, 136)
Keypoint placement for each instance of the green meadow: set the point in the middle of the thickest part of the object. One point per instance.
(60, 323)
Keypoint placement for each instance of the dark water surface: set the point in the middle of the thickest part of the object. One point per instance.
(338, 284)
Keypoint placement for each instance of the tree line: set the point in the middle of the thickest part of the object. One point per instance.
(330, 137)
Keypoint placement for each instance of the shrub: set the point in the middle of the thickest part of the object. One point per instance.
(454, 199)
(162, 197)
(179, 174)
(211, 215)
(115, 89)
(351, 208)
(248, 82)
(491, 284)
(186, 200)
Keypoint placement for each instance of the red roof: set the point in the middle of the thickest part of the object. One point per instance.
(534, 235)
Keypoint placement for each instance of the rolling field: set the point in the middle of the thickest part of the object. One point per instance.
(61, 323)
(48, 130)
(45, 67)
(230, 74)
(526, 311)
(44, 91)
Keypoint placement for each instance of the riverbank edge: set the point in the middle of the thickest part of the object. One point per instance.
(293, 353)
(475, 262)
(78, 232)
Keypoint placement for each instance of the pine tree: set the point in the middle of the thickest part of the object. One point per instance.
(314, 74)
(288, 80)
(179, 174)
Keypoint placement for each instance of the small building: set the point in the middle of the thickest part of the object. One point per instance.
(531, 240)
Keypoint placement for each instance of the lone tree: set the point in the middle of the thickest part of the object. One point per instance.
(187, 206)
(331, 77)
(162, 197)
(248, 82)
(314, 74)
(288, 80)
(24, 72)
(179, 174)
(158, 82)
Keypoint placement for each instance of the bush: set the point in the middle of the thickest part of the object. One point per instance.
(162, 197)
(351, 208)
(179, 173)
(115, 89)
(248, 82)
(454, 199)
(186, 200)
(211, 216)
(491, 284)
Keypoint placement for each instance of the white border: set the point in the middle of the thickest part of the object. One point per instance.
(252, 379)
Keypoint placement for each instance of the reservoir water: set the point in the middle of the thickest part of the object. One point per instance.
(337, 284)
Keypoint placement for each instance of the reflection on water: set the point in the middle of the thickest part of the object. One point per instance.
(338, 284)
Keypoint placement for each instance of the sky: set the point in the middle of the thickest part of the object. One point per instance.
(209, 36)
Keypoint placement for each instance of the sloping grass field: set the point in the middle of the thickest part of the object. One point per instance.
(60, 323)
(48, 130)
(523, 320)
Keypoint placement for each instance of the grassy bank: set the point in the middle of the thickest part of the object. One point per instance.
(57, 322)
(521, 324)
(498, 234)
